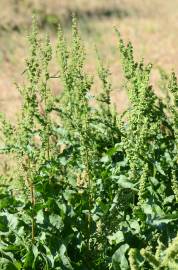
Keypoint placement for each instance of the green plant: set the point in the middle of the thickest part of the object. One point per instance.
(96, 189)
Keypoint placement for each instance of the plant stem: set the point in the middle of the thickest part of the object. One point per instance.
(33, 205)
(32, 195)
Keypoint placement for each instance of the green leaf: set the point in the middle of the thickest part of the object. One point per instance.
(119, 261)
(5, 264)
(147, 209)
(154, 181)
(29, 258)
(112, 151)
(105, 159)
(124, 183)
(63, 161)
(56, 221)
(169, 199)
(3, 223)
(40, 217)
(11, 248)
(165, 219)
(159, 168)
(68, 194)
(12, 220)
(49, 255)
(116, 238)
(64, 258)
(135, 226)
(5, 202)
(35, 251)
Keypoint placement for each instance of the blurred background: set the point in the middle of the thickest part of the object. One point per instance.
(151, 26)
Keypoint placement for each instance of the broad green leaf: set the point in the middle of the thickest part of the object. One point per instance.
(169, 199)
(165, 219)
(154, 181)
(159, 168)
(119, 261)
(116, 238)
(40, 217)
(3, 223)
(148, 210)
(49, 255)
(7, 265)
(112, 151)
(5, 202)
(124, 183)
(29, 259)
(135, 225)
(13, 221)
(64, 258)
(105, 159)
(56, 221)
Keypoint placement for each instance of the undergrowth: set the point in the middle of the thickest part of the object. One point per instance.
(94, 189)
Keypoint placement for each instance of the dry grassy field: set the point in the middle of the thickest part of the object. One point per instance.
(151, 26)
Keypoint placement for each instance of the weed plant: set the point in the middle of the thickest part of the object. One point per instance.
(94, 189)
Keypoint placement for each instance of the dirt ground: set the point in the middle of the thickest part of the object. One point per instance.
(151, 26)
